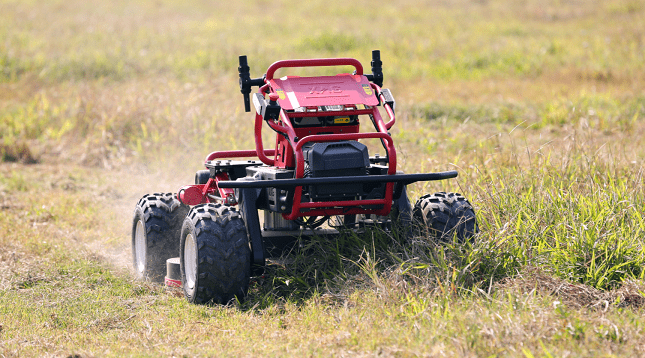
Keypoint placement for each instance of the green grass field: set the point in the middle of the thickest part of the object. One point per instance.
(540, 106)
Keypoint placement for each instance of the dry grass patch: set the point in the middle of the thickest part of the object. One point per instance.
(630, 294)
(17, 152)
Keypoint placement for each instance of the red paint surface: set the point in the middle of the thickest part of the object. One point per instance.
(343, 89)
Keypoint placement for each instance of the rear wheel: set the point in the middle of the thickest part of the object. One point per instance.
(215, 255)
(445, 215)
(155, 234)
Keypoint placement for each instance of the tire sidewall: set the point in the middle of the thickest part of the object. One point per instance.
(187, 228)
(139, 216)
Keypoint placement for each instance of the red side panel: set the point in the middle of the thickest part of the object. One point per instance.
(342, 89)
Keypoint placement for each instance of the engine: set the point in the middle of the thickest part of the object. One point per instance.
(336, 159)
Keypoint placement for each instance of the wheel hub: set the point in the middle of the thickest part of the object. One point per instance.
(190, 261)
(140, 248)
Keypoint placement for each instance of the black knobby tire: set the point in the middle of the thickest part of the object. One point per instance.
(160, 217)
(221, 255)
(446, 214)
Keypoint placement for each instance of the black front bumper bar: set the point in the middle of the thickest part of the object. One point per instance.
(404, 179)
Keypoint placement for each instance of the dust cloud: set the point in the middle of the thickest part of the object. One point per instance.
(123, 189)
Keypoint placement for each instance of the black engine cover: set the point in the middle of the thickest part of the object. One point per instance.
(335, 159)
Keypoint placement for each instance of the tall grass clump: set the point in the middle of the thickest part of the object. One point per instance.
(580, 219)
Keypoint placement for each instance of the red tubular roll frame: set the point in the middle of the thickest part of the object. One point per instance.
(316, 62)
(237, 154)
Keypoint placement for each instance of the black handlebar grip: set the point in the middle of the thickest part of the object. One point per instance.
(377, 68)
(245, 82)
(376, 56)
(244, 65)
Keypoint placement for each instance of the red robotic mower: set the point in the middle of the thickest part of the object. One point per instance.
(319, 169)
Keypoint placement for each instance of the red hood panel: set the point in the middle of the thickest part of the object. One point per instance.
(342, 89)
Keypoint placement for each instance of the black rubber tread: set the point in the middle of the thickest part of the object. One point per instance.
(446, 214)
(162, 215)
(223, 254)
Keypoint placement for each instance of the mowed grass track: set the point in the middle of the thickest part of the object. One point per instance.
(539, 105)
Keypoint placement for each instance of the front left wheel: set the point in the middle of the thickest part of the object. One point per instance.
(215, 256)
